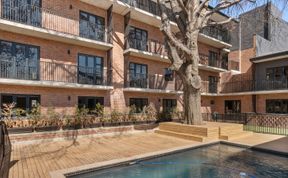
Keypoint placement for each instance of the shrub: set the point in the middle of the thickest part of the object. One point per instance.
(132, 113)
(7, 110)
(149, 112)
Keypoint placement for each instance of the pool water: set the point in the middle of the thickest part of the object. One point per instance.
(216, 161)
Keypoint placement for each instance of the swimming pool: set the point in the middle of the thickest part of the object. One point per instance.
(215, 161)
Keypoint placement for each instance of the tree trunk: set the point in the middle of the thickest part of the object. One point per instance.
(192, 103)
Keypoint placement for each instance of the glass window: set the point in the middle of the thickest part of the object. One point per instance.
(25, 102)
(23, 11)
(19, 61)
(277, 106)
(138, 38)
(213, 57)
(277, 73)
(169, 105)
(138, 75)
(232, 106)
(90, 69)
(90, 102)
(92, 26)
(169, 74)
(139, 103)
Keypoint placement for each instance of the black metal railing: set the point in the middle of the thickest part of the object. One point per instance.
(256, 122)
(207, 61)
(54, 71)
(18, 69)
(57, 21)
(149, 6)
(152, 46)
(217, 32)
(254, 85)
(208, 87)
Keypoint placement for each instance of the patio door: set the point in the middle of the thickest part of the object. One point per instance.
(138, 75)
(24, 11)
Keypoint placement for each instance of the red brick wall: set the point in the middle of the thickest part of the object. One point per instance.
(261, 100)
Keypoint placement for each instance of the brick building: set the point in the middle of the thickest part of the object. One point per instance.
(82, 52)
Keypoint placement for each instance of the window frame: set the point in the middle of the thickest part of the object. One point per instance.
(14, 99)
(27, 47)
(86, 56)
(234, 104)
(168, 74)
(135, 41)
(171, 102)
(143, 102)
(97, 19)
(86, 102)
(283, 106)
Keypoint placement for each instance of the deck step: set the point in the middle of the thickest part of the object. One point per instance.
(181, 135)
(235, 135)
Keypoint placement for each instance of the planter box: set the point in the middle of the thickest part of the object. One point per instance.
(46, 128)
(72, 127)
(110, 124)
(20, 130)
(94, 125)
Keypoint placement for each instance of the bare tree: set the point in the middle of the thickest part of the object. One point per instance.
(191, 16)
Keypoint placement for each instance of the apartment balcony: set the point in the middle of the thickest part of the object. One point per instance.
(214, 65)
(53, 25)
(255, 86)
(160, 84)
(150, 49)
(147, 11)
(53, 74)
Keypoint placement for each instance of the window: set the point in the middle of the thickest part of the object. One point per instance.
(90, 69)
(92, 26)
(169, 105)
(90, 102)
(213, 57)
(266, 30)
(25, 102)
(139, 103)
(277, 106)
(213, 80)
(23, 11)
(169, 74)
(138, 39)
(138, 75)
(19, 61)
(232, 106)
(277, 73)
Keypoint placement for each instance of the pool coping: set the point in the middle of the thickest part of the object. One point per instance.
(133, 159)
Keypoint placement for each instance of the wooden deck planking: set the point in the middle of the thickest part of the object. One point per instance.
(37, 160)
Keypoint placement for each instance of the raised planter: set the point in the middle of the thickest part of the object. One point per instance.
(72, 127)
(47, 128)
(94, 125)
(111, 124)
(20, 130)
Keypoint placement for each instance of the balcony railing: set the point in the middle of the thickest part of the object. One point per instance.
(53, 71)
(218, 33)
(152, 46)
(51, 20)
(161, 82)
(206, 61)
(254, 85)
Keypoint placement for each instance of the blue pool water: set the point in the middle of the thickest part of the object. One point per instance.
(216, 161)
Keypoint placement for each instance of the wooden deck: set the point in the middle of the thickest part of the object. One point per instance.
(38, 160)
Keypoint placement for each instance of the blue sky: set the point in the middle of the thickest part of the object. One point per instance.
(281, 4)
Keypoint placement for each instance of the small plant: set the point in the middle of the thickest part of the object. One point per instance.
(81, 114)
(7, 110)
(116, 116)
(149, 112)
(132, 113)
(99, 110)
(35, 114)
(19, 112)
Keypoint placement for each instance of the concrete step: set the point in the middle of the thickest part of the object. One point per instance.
(235, 135)
(181, 135)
